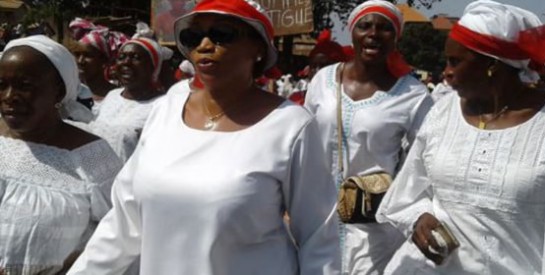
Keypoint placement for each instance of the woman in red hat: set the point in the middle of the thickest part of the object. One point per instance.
(324, 53)
(379, 108)
(217, 167)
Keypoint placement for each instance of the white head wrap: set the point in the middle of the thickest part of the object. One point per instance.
(65, 64)
(504, 22)
(187, 67)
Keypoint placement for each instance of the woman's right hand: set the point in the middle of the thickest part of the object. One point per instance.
(423, 238)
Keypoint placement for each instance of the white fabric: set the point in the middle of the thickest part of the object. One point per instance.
(441, 90)
(65, 63)
(187, 68)
(209, 203)
(374, 130)
(504, 22)
(50, 201)
(355, 15)
(488, 186)
(120, 121)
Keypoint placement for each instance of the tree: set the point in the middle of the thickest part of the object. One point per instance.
(422, 46)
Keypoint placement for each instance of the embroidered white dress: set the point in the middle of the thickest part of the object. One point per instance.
(374, 130)
(51, 200)
(488, 186)
(119, 121)
(211, 203)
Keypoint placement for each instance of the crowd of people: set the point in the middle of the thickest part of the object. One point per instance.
(114, 164)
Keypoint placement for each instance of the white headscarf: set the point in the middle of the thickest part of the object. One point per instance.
(65, 64)
(502, 22)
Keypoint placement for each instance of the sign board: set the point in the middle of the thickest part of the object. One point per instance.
(288, 16)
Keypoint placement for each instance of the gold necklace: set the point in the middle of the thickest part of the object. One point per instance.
(211, 120)
(482, 123)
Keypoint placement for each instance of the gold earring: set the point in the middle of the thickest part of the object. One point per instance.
(489, 73)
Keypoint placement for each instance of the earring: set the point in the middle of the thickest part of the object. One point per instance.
(489, 73)
(258, 59)
(58, 105)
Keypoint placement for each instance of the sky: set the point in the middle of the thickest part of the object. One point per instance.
(452, 8)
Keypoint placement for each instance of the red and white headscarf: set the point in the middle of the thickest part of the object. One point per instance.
(106, 41)
(396, 63)
(507, 33)
(380, 7)
(80, 27)
(144, 38)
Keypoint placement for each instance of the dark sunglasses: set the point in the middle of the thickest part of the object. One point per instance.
(218, 35)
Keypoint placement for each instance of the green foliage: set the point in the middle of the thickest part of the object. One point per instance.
(423, 46)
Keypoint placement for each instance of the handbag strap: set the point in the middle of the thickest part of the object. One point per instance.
(340, 163)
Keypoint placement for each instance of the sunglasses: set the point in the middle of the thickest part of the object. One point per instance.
(191, 38)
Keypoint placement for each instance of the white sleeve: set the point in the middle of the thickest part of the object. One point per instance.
(411, 192)
(418, 114)
(312, 89)
(116, 241)
(310, 198)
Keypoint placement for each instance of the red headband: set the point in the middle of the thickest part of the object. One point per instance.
(150, 48)
(382, 11)
(530, 43)
(486, 43)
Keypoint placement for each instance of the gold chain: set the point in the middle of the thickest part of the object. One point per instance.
(482, 123)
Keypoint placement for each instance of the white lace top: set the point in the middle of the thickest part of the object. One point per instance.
(50, 201)
(119, 121)
(488, 186)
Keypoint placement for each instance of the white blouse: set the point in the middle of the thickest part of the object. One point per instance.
(119, 121)
(488, 186)
(375, 130)
(205, 202)
(51, 199)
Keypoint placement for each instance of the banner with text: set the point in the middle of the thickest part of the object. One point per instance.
(290, 16)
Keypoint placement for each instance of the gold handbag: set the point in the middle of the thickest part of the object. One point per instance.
(359, 196)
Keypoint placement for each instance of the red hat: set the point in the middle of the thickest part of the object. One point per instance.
(249, 11)
(327, 47)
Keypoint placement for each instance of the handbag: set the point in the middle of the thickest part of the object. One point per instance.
(359, 196)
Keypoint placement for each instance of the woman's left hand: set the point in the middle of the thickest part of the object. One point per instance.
(423, 238)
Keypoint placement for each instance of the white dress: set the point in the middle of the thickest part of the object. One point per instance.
(119, 121)
(488, 186)
(211, 203)
(374, 130)
(51, 200)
